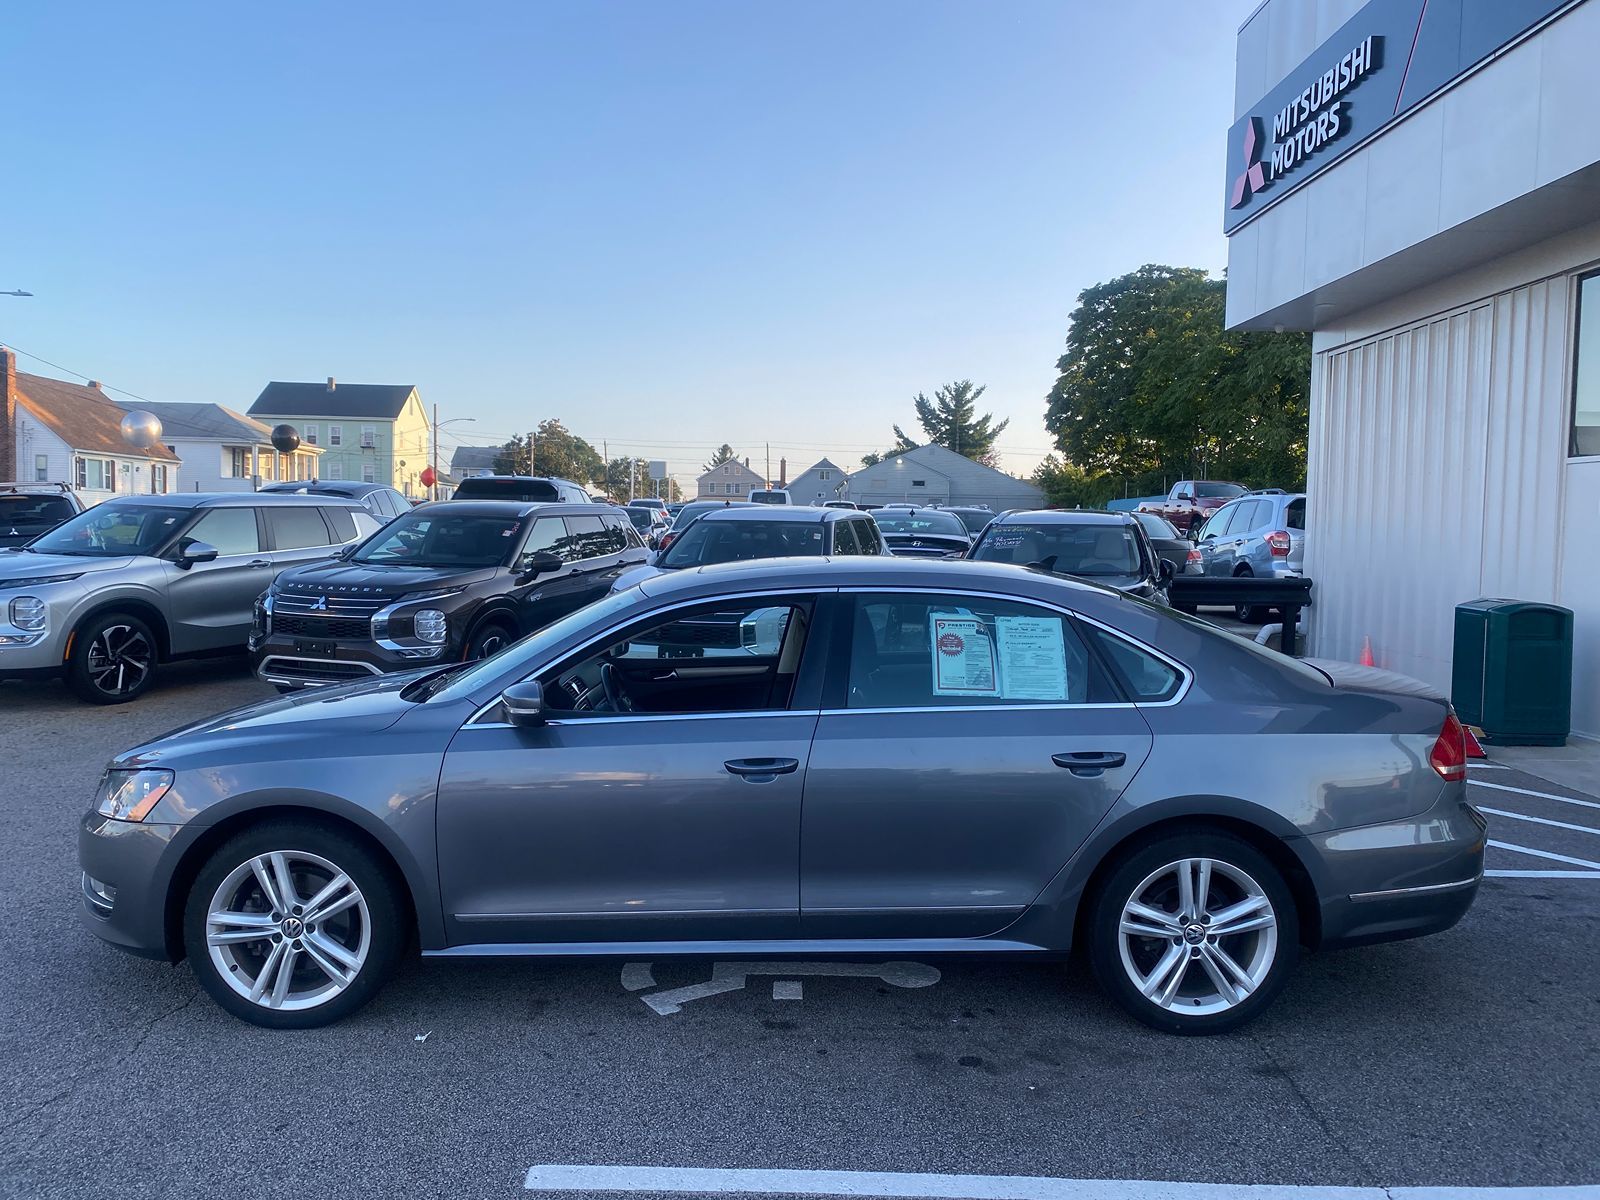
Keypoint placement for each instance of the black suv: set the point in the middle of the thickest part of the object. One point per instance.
(29, 509)
(379, 499)
(528, 488)
(453, 580)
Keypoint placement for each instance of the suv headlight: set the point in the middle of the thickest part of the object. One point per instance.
(430, 625)
(435, 594)
(29, 613)
(130, 795)
(39, 580)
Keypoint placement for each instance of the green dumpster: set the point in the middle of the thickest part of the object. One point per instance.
(1512, 673)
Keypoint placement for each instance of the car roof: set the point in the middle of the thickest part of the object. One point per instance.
(1066, 516)
(326, 487)
(236, 500)
(518, 508)
(795, 513)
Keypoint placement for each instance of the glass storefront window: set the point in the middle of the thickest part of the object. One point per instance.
(1586, 370)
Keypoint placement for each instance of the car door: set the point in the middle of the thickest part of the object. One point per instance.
(209, 604)
(552, 595)
(967, 747)
(1216, 557)
(678, 820)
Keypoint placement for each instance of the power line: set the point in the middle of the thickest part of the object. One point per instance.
(81, 375)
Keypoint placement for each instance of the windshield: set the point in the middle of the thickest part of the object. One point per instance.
(769, 497)
(114, 529)
(37, 512)
(1155, 526)
(540, 491)
(1212, 491)
(1092, 551)
(700, 508)
(928, 521)
(441, 539)
(641, 517)
(709, 541)
(975, 519)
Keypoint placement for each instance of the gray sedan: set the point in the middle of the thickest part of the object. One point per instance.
(909, 759)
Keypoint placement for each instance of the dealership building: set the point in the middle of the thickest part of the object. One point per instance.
(1417, 183)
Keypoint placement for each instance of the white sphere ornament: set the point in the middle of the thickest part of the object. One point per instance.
(141, 429)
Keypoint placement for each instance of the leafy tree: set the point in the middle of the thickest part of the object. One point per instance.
(1152, 388)
(902, 444)
(1068, 486)
(724, 453)
(557, 451)
(950, 420)
(616, 481)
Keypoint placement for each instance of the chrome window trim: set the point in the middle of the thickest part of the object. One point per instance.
(616, 718)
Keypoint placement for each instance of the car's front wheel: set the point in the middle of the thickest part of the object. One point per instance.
(292, 925)
(112, 659)
(1194, 933)
(489, 639)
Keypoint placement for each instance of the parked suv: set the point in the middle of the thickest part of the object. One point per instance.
(379, 499)
(29, 509)
(136, 581)
(526, 489)
(458, 579)
(1108, 548)
(1259, 535)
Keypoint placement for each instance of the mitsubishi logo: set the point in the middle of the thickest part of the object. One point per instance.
(320, 604)
(1254, 178)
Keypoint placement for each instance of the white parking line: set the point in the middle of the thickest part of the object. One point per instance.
(1541, 874)
(1576, 862)
(702, 1181)
(1500, 812)
(1500, 787)
(1483, 766)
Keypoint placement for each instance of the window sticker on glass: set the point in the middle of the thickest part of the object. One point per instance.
(1005, 539)
(963, 657)
(1033, 658)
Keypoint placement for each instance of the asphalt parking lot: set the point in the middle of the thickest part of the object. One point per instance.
(1464, 1059)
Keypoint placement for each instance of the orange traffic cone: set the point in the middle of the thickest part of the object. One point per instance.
(1366, 653)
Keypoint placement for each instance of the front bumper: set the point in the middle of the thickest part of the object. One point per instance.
(1401, 879)
(134, 858)
(289, 662)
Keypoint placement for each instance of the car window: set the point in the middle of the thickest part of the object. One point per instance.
(1142, 676)
(1251, 514)
(1089, 551)
(1217, 524)
(868, 536)
(547, 533)
(440, 538)
(1155, 525)
(844, 538)
(230, 530)
(1294, 513)
(930, 651)
(745, 654)
(296, 528)
(343, 522)
(34, 510)
(588, 537)
(710, 541)
(1210, 491)
(975, 520)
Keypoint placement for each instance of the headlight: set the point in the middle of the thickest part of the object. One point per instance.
(430, 626)
(39, 580)
(435, 594)
(130, 795)
(29, 613)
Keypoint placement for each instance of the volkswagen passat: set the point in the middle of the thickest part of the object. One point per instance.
(912, 758)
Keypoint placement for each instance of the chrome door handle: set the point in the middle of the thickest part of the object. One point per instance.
(260, 562)
(1090, 764)
(761, 770)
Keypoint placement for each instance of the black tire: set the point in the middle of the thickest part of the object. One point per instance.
(1278, 952)
(384, 919)
(1250, 614)
(102, 667)
(491, 637)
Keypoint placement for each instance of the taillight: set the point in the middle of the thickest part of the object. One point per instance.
(1194, 555)
(666, 540)
(1278, 543)
(1449, 755)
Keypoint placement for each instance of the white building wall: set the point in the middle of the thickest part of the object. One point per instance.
(35, 438)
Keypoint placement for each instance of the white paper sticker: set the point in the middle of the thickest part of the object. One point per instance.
(963, 657)
(1033, 658)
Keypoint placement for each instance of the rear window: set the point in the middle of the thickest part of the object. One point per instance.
(39, 511)
(296, 528)
(1212, 491)
(536, 491)
(1088, 551)
(1294, 516)
(707, 542)
(343, 522)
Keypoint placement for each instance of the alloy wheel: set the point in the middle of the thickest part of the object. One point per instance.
(1198, 936)
(288, 930)
(119, 660)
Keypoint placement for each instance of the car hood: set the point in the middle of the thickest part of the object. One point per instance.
(367, 706)
(378, 578)
(22, 565)
(635, 575)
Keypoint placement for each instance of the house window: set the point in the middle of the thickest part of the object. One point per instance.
(333, 470)
(727, 470)
(369, 437)
(311, 435)
(824, 474)
(41, 467)
(919, 483)
(97, 474)
(369, 473)
(335, 435)
(238, 462)
(1586, 370)
(158, 479)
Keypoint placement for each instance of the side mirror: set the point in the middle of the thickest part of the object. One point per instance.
(196, 552)
(539, 562)
(1167, 570)
(525, 704)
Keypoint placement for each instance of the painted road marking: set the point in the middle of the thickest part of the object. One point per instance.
(1500, 787)
(1550, 854)
(734, 976)
(703, 1181)
(1500, 812)
(1542, 874)
(788, 989)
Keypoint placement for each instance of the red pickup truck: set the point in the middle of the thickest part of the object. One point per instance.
(1191, 501)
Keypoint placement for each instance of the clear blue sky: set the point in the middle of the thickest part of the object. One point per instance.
(669, 223)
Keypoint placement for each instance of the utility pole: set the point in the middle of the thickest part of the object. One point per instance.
(530, 452)
(435, 488)
(768, 480)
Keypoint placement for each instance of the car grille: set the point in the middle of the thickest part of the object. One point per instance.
(326, 604)
(343, 628)
(312, 672)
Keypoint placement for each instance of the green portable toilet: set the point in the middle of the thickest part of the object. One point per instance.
(1512, 674)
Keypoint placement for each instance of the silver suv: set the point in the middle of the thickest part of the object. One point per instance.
(106, 596)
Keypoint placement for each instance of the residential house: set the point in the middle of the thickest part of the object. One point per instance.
(468, 461)
(935, 475)
(824, 481)
(60, 432)
(732, 480)
(370, 432)
(226, 451)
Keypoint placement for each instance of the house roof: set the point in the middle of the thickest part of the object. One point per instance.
(474, 458)
(81, 417)
(378, 401)
(740, 468)
(210, 422)
(822, 464)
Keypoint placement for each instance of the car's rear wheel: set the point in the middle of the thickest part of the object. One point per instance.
(1250, 614)
(489, 638)
(112, 659)
(1193, 933)
(292, 925)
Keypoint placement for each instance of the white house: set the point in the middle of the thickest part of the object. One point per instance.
(822, 482)
(732, 480)
(55, 431)
(935, 475)
(226, 451)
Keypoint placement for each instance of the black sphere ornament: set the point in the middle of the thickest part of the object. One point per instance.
(285, 439)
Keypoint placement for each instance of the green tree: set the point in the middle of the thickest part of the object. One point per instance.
(616, 482)
(557, 452)
(1153, 388)
(724, 453)
(1068, 486)
(950, 420)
